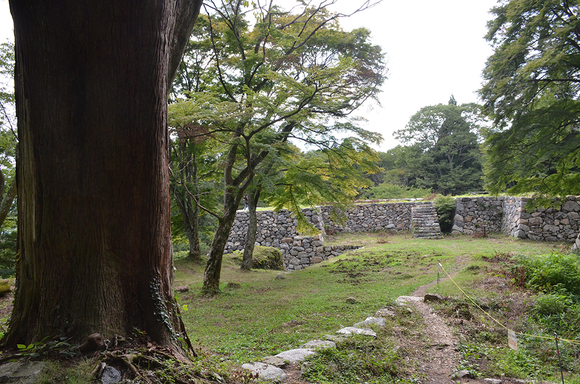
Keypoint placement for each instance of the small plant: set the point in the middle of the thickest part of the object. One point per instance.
(551, 304)
(445, 206)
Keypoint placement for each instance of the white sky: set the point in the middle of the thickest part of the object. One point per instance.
(435, 48)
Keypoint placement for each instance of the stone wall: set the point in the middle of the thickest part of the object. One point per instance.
(508, 215)
(371, 218)
(273, 227)
(472, 214)
(301, 252)
(549, 224)
(278, 229)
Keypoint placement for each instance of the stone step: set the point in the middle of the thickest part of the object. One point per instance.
(424, 222)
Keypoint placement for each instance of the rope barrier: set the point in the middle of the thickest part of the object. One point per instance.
(555, 338)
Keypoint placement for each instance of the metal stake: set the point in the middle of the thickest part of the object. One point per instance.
(559, 359)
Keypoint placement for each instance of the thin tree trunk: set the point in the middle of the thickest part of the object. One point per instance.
(211, 281)
(188, 207)
(93, 185)
(193, 236)
(248, 257)
(193, 230)
(7, 200)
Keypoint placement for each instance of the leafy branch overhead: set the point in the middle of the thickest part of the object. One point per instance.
(257, 77)
(531, 92)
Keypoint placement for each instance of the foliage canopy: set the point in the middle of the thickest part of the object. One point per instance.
(531, 93)
(257, 77)
(442, 152)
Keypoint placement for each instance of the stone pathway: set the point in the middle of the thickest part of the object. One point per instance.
(271, 368)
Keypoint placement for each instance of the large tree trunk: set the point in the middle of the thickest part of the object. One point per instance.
(248, 257)
(94, 213)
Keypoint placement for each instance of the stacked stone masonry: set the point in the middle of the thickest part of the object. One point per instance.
(394, 217)
(509, 215)
(473, 215)
(279, 230)
(424, 222)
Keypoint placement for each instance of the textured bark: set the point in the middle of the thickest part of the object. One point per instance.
(248, 257)
(94, 214)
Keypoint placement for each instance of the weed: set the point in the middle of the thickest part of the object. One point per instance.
(551, 273)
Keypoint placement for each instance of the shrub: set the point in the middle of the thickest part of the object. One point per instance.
(394, 191)
(445, 206)
(551, 273)
(551, 304)
(263, 258)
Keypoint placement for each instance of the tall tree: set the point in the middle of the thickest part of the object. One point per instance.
(93, 208)
(286, 75)
(444, 141)
(531, 90)
(8, 136)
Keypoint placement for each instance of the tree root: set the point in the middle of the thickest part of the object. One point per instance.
(124, 360)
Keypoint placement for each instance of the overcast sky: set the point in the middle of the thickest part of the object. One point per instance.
(434, 48)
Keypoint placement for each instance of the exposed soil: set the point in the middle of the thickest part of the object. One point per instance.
(441, 357)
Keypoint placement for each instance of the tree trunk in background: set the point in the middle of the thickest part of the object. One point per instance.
(94, 212)
(188, 208)
(7, 200)
(211, 279)
(247, 260)
(190, 212)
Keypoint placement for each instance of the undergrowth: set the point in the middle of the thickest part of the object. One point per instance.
(538, 296)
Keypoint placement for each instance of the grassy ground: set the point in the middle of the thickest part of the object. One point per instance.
(258, 315)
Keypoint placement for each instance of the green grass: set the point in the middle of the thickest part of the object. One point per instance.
(258, 314)
(266, 315)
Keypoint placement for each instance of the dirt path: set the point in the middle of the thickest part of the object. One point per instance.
(440, 356)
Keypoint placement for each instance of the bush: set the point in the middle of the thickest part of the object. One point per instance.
(445, 206)
(263, 258)
(549, 305)
(553, 273)
(557, 277)
(394, 191)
